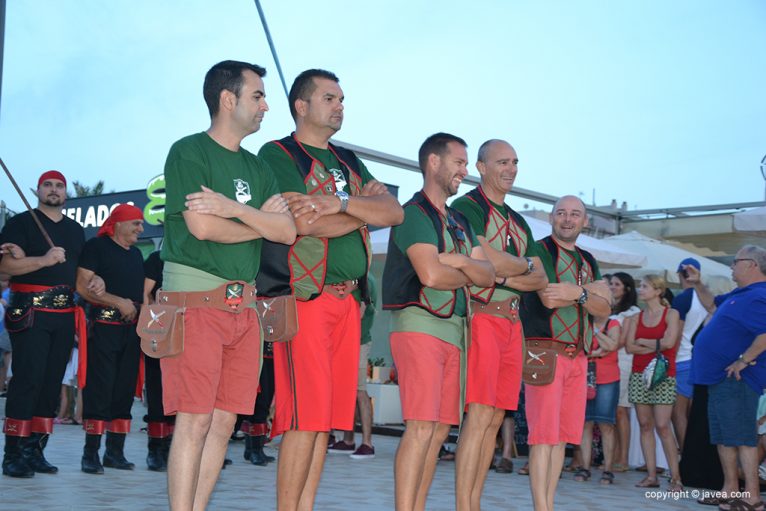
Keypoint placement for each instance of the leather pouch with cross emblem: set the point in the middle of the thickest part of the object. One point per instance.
(161, 329)
(279, 317)
(539, 367)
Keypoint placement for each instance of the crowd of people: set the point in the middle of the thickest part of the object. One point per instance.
(478, 307)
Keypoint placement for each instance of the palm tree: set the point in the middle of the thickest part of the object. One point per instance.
(81, 190)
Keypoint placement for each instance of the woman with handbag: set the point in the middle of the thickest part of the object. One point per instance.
(654, 335)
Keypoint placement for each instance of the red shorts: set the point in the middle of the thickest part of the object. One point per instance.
(429, 377)
(220, 364)
(494, 362)
(316, 372)
(556, 412)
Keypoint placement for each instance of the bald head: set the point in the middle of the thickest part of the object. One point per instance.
(489, 146)
(568, 219)
(569, 201)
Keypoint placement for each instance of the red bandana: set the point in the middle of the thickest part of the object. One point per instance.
(122, 213)
(51, 174)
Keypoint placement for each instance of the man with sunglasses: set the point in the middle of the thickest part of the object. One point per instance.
(432, 259)
(495, 352)
(729, 358)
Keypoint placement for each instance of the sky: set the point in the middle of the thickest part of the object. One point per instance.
(657, 103)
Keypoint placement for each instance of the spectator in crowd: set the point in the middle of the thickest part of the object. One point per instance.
(729, 358)
(623, 289)
(691, 313)
(655, 329)
(602, 408)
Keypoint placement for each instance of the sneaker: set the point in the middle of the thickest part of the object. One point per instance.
(365, 452)
(330, 441)
(341, 447)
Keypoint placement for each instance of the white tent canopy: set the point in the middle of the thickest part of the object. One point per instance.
(663, 258)
(604, 252)
(753, 220)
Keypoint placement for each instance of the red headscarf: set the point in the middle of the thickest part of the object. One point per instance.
(51, 174)
(122, 213)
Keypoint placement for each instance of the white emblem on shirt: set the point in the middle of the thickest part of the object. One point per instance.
(242, 190)
(340, 179)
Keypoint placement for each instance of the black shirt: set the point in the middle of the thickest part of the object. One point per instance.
(121, 269)
(22, 230)
(153, 270)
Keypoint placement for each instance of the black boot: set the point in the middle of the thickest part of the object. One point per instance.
(32, 450)
(261, 443)
(248, 447)
(257, 456)
(155, 459)
(90, 464)
(14, 464)
(114, 457)
(166, 448)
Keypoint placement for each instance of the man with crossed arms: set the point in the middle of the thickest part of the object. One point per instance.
(495, 353)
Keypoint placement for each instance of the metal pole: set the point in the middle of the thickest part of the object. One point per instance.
(2, 46)
(271, 45)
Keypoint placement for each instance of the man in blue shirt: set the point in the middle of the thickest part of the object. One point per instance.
(730, 357)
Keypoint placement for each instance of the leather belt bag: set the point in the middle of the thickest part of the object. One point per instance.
(508, 308)
(279, 317)
(540, 355)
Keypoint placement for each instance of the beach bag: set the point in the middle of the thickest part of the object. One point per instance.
(657, 370)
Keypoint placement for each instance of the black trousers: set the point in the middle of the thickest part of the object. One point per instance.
(266, 395)
(153, 381)
(40, 356)
(113, 355)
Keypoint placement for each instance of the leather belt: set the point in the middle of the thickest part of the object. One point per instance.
(233, 296)
(562, 348)
(341, 289)
(508, 308)
(111, 315)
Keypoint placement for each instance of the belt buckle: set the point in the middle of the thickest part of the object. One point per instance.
(340, 287)
(234, 294)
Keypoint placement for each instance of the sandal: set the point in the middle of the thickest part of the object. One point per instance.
(572, 468)
(648, 482)
(712, 501)
(582, 475)
(740, 505)
(619, 467)
(607, 477)
(675, 486)
(524, 471)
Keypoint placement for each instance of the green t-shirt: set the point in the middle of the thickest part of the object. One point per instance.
(510, 236)
(346, 258)
(198, 160)
(369, 311)
(418, 228)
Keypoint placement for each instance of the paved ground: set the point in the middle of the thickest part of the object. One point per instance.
(346, 485)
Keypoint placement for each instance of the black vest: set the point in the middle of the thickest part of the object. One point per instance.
(401, 285)
(274, 276)
(536, 317)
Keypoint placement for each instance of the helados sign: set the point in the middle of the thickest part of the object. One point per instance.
(91, 212)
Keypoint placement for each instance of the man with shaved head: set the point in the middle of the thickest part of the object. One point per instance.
(495, 350)
(560, 318)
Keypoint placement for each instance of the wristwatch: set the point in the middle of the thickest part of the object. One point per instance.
(343, 196)
(530, 266)
(583, 297)
(742, 359)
